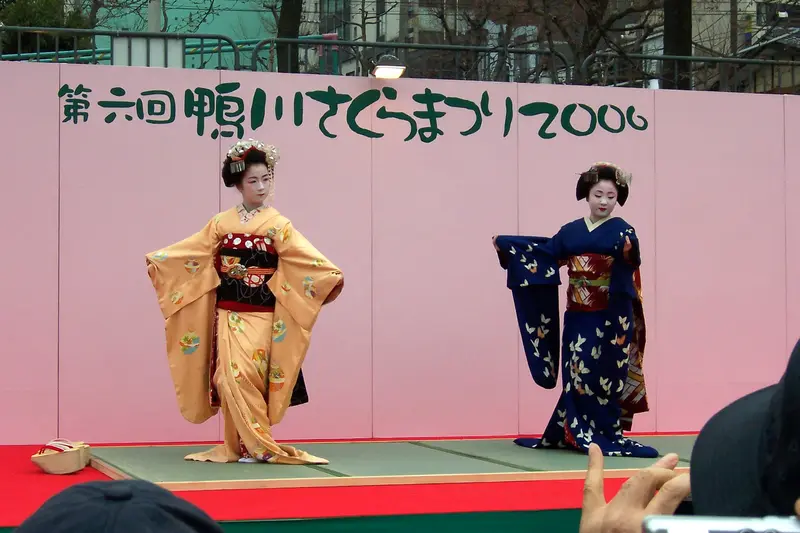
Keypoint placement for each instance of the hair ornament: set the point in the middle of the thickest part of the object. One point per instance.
(238, 152)
(603, 170)
(623, 179)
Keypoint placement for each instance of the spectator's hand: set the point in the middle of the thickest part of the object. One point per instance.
(797, 508)
(636, 498)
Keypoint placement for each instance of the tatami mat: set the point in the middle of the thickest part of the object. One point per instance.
(374, 463)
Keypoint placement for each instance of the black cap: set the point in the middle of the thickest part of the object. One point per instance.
(120, 507)
(746, 460)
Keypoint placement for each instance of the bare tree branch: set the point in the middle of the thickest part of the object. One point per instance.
(165, 15)
(365, 18)
(132, 14)
(645, 8)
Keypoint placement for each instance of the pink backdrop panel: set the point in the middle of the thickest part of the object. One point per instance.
(720, 232)
(445, 354)
(127, 188)
(792, 199)
(548, 171)
(29, 193)
(323, 186)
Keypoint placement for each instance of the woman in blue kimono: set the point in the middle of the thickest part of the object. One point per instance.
(604, 331)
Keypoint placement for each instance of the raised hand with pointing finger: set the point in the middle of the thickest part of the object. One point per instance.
(651, 491)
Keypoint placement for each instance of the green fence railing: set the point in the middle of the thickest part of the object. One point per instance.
(729, 74)
(326, 54)
(323, 54)
(486, 63)
(19, 43)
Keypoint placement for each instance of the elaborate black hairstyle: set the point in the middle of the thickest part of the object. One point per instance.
(245, 153)
(608, 172)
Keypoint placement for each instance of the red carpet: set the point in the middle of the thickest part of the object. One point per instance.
(393, 500)
(24, 488)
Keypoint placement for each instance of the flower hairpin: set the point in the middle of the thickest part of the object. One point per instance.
(239, 151)
(622, 178)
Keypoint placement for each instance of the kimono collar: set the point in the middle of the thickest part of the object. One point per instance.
(591, 226)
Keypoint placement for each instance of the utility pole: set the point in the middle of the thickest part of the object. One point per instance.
(154, 16)
(677, 42)
(734, 27)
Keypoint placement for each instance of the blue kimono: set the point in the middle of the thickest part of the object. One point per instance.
(604, 331)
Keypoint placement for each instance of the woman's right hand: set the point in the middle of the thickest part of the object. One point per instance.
(494, 243)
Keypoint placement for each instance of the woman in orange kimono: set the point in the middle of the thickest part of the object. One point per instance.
(240, 299)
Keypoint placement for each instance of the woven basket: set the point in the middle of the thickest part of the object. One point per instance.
(61, 456)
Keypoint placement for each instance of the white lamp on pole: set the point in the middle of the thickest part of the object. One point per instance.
(388, 67)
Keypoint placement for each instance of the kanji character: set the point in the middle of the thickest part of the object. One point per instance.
(258, 109)
(509, 116)
(227, 110)
(298, 109)
(76, 105)
(105, 104)
(159, 104)
(163, 106)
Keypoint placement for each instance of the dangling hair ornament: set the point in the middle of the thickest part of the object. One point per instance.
(239, 151)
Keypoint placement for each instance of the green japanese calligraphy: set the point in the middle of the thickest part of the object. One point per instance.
(76, 105)
(333, 100)
(601, 118)
(462, 103)
(391, 94)
(566, 120)
(154, 107)
(258, 109)
(541, 108)
(222, 112)
(298, 109)
(509, 116)
(359, 104)
(429, 98)
(227, 110)
(551, 111)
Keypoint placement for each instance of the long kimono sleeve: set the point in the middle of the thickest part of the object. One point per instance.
(628, 280)
(304, 281)
(532, 265)
(184, 278)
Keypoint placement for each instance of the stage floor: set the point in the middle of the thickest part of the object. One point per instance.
(373, 464)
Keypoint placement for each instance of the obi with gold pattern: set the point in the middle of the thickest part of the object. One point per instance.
(245, 263)
(589, 282)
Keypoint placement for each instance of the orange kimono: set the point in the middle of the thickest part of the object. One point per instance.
(240, 299)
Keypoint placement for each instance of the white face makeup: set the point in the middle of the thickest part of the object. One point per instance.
(255, 185)
(602, 200)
